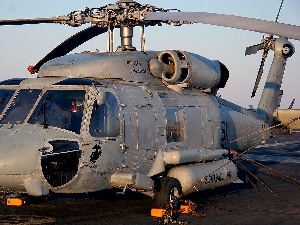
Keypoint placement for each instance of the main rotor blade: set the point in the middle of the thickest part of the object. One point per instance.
(261, 26)
(259, 75)
(34, 21)
(69, 44)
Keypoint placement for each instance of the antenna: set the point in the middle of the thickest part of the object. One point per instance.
(276, 20)
(292, 104)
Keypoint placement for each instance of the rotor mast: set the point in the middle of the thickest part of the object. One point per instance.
(126, 31)
(126, 34)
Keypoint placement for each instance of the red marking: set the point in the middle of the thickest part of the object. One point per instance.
(74, 108)
(32, 69)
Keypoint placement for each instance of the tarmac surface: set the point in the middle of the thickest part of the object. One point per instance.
(268, 200)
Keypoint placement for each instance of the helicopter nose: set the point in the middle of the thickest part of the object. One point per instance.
(32, 162)
(19, 161)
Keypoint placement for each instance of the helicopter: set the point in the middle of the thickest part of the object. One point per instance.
(150, 121)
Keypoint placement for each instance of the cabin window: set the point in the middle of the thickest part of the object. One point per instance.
(21, 106)
(104, 119)
(175, 125)
(60, 108)
(5, 96)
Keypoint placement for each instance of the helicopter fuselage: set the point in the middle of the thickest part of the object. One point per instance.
(93, 121)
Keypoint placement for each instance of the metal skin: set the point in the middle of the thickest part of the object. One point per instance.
(151, 119)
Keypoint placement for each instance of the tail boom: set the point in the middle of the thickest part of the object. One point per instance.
(283, 49)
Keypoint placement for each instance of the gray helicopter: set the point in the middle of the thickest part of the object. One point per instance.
(149, 121)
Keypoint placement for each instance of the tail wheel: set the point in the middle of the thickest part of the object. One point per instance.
(169, 189)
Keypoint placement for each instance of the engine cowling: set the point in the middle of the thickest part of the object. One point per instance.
(182, 67)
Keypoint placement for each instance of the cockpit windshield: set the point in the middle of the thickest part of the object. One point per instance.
(60, 108)
(5, 96)
(21, 106)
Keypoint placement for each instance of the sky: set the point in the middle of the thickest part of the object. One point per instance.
(21, 46)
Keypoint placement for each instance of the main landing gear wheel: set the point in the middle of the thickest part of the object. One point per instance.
(169, 189)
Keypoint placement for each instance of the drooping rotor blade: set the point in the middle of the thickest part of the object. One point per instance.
(244, 23)
(253, 49)
(34, 21)
(259, 75)
(69, 44)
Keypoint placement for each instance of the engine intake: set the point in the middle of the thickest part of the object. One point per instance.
(182, 67)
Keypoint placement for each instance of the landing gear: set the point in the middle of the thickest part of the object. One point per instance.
(169, 190)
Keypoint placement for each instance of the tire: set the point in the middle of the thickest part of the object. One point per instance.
(168, 188)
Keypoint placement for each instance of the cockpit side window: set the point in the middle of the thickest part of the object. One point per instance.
(104, 119)
(60, 108)
(5, 96)
(21, 106)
